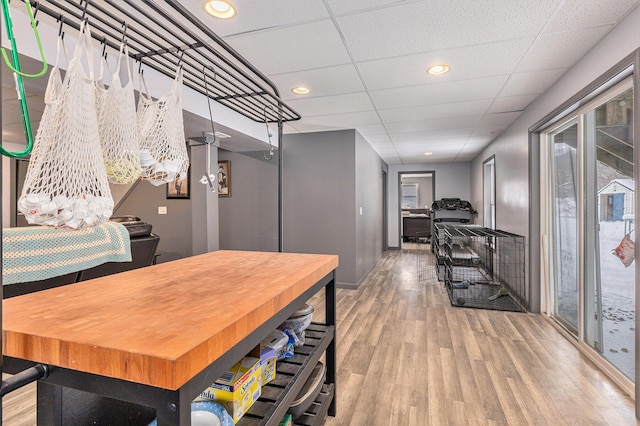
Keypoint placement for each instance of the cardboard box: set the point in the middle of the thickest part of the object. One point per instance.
(268, 359)
(238, 388)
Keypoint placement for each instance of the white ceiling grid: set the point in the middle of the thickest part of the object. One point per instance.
(365, 62)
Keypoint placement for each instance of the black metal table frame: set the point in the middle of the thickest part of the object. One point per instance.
(173, 407)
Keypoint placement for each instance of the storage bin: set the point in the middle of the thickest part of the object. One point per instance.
(309, 391)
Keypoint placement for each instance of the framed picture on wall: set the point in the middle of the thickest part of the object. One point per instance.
(181, 188)
(224, 178)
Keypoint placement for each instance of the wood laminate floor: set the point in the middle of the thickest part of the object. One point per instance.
(407, 357)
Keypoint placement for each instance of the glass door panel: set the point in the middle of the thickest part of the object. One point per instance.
(564, 174)
(609, 219)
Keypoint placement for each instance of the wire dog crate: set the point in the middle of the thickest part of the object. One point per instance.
(424, 259)
(481, 267)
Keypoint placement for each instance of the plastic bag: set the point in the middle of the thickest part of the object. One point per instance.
(625, 251)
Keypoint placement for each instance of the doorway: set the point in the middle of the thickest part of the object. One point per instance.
(416, 194)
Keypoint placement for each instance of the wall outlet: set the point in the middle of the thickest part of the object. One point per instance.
(162, 210)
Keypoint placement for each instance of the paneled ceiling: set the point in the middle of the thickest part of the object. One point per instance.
(365, 62)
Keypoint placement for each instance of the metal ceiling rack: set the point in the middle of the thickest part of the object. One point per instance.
(163, 34)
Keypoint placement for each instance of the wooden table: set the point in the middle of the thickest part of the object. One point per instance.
(158, 336)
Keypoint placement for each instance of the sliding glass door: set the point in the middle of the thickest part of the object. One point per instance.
(590, 226)
(564, 163)
(609, 222)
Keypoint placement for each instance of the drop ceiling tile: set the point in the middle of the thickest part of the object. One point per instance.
(385, 151)
(430, 112)
(432, 146)
(511, 103)
(332, 105)
(259, 15)
(466, 63)
(430, 94)
(561, 50)
(340, 7)
(430, 135)
(530, 83)
(464, 156)
(379, 139)
(288, 129)
(321, 82)
(372, 129)
(363, 119)
(441, 124)
(578, 14)
(335, 121)
(435, 25)
(499, 119)
(290, 49)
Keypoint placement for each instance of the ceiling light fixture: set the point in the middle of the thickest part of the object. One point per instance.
(428, 153)
(301, 90)
(220, 9)
(438, 69)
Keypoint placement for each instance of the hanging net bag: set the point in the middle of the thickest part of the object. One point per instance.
(163, 151)
(66, 182)
(116, 107)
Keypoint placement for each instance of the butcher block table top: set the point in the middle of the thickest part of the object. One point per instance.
(163, 324)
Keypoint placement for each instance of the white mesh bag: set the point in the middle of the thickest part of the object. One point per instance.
(117, 126)
(163, 151)
(66, 182)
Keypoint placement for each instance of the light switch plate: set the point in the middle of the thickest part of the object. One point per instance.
(162, 210)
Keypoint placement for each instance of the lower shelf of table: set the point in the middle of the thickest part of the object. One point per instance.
(317, 413)
(291, 375)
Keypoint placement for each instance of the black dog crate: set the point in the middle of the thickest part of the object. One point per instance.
(481, 267)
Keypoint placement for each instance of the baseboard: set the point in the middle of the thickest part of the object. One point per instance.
(348, 286)
(393, 248)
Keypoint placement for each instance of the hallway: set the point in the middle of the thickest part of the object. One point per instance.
(406, 356)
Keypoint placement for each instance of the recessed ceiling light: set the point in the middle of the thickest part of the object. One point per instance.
(438, 69)
(301, 90)
(428, 153)
(220, 9)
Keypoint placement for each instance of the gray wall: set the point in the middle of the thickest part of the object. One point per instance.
(191, 225)
(319, 191)
(425, 190)
(369, 224)
(453, 180)
(174, 228)
(511, 148)
(249, 217)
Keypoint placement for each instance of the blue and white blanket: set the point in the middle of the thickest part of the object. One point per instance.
(38, 253)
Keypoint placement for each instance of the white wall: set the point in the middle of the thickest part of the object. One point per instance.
(452, 181)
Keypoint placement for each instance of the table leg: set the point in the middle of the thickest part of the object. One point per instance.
(49, 403)
(330, 307)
